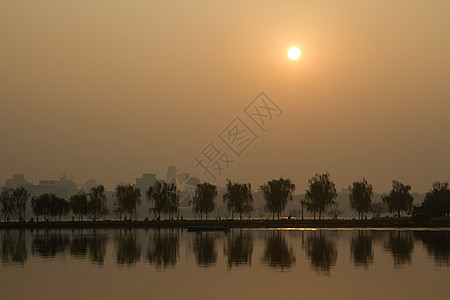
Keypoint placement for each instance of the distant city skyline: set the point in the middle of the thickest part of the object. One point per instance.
(139, 181)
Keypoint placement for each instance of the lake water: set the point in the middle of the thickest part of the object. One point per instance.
(240, 264)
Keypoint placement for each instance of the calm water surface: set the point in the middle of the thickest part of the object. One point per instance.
(241, 264)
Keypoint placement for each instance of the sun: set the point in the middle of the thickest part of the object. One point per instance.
(294, 53)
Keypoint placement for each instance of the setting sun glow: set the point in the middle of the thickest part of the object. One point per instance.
(294, 53)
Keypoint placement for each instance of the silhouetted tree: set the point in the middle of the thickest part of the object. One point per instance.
(127, 199)
(437, 200)
(361, 193)
(173, 197)
(205, 249)
(399, 198)
(20, 197)
(59, 207)
(361, 249)
(78, 203)
(239, 248)
(276, 193)
(321, 194)
(321, 251)
(49, 205)
(7, 202)
(378, 208)
(278, 254)
(165, 198)
(238, 198)
(203, 200)
(96, 207)
(41, 205)
(401, 245)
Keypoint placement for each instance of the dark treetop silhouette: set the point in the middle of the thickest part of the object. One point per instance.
(321, 194)
(238, 198)
(277, 193)
(203, 200)
(399, 198)
(361, 193)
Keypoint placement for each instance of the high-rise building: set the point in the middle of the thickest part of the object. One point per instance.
(146, 181)
(64, 187)
(172, 175)
(18, 180)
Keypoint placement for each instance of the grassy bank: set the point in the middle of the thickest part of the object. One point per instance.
(230, 223)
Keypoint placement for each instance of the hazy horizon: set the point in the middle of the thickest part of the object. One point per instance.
(112, 90)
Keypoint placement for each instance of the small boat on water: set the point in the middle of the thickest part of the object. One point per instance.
(207, 228)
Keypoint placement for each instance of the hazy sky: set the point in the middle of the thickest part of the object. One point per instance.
(113, 89)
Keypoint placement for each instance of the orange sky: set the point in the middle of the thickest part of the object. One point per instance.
(113, 89)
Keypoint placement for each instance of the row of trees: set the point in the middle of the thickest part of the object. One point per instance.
(399, 199)
(435, 204)
(319, 197)
(92, 205)
(14, 202)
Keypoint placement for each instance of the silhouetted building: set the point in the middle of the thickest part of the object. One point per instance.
(146, 181)
(171, 175)
(63, 187)
(90, 184)
(18, 180)
(186, 181)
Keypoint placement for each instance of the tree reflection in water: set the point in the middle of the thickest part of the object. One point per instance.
(97, 248)
(361, 249)
(205, 249)
(321, 251)
(14, 249)
(163, 249)
(400, 244)
(128, 251)
(277, 254)
(78, 246)
(49, 244)
(89, 242)
(239, 248)
(437, 244)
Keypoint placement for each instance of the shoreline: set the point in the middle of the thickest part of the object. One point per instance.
(313, 224)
